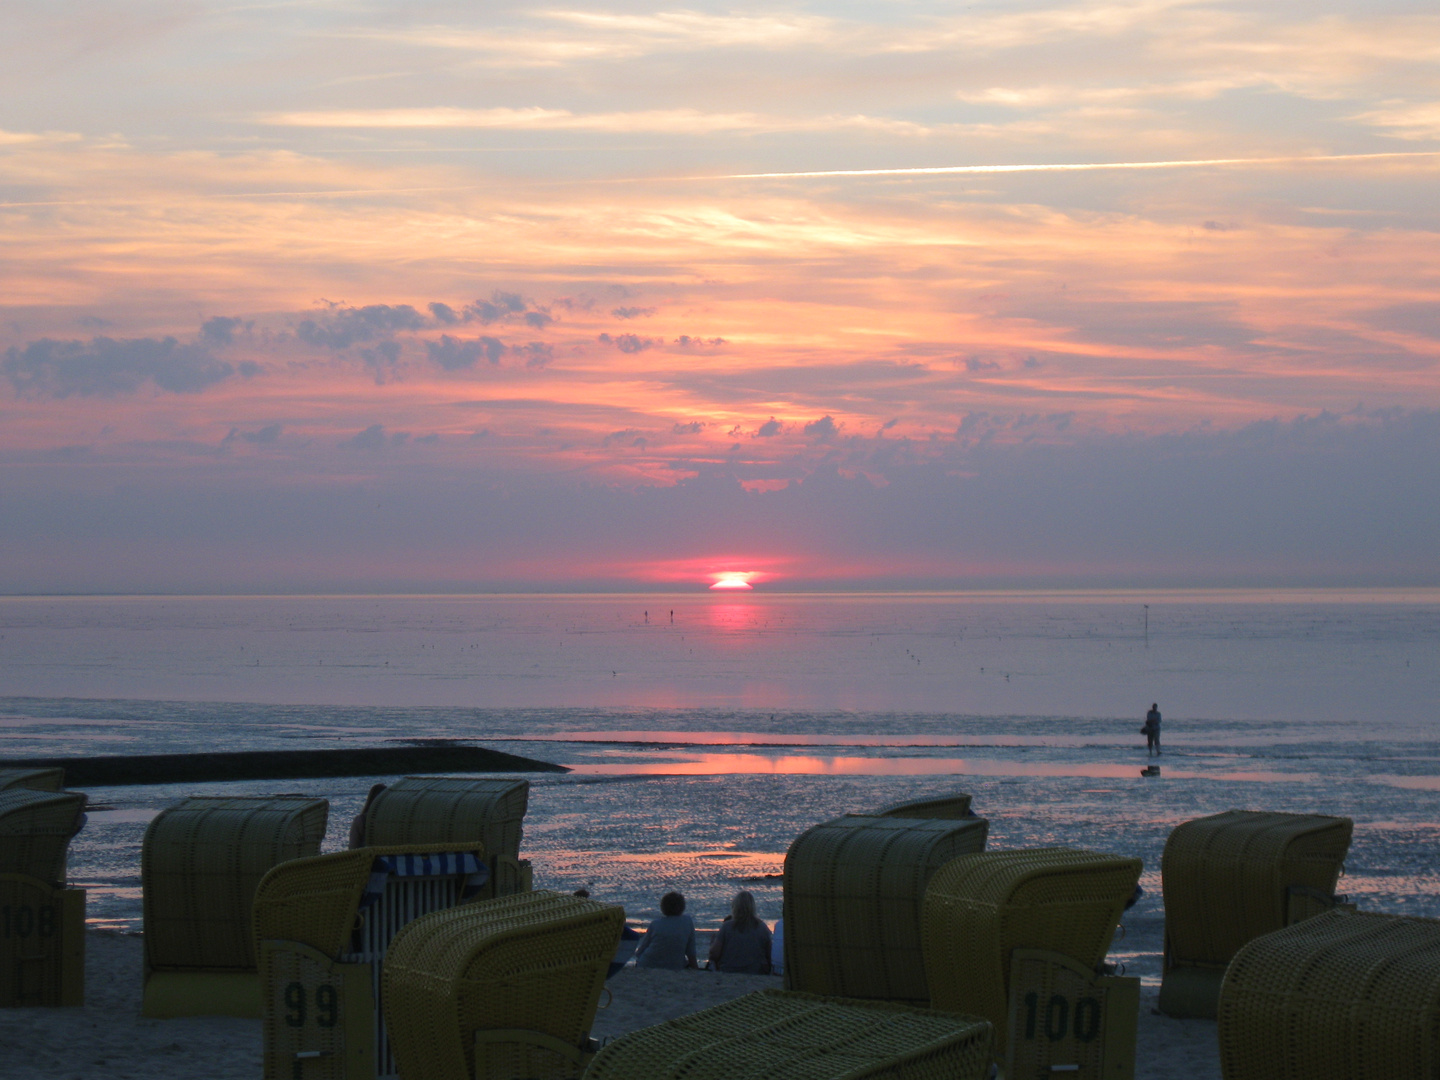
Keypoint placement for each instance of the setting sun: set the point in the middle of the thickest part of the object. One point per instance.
(732, 579)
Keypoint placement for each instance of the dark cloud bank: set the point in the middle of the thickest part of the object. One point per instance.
(1322, 500)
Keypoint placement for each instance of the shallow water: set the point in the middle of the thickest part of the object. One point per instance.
(701, 748)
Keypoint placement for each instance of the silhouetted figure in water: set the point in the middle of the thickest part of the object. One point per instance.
(1151, 731)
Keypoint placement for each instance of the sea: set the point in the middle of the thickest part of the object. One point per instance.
(705, 731)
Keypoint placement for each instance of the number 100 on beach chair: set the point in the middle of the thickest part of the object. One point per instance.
(1020, 938)
(324, 926)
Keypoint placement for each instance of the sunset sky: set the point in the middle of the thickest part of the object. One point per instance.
(425, 296)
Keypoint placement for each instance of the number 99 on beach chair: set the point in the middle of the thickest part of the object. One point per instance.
(324, 927)
(42, 922)
(1019, 938)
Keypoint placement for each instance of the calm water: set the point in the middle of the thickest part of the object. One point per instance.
(701, 746)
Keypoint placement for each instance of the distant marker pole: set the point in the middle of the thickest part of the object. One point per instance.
(1147, 626)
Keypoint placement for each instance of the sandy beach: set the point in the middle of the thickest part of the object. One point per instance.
(108, 1039)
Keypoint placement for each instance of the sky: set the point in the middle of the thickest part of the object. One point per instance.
(337, 296)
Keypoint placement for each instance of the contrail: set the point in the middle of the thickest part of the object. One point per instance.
(946, 170)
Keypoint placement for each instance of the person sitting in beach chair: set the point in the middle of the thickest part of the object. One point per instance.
(742, 944)
(669, 941)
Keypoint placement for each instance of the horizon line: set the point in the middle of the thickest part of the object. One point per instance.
(940, 170)
(1237, 593)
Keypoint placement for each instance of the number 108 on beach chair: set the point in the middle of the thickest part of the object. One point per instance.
(42, 922)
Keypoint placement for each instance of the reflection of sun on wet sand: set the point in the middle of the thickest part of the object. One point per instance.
(109, 1040)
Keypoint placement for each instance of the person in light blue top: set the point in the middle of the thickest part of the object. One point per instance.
(669, 941)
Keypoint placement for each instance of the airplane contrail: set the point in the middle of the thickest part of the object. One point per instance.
(942, 170)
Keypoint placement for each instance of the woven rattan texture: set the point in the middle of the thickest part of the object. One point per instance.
(35, 831)
(854, 893)
(1341, 995)
(533, 961)
(980, 908)
(42, 943)
(1065, 1018)
(34, 779)
(200, 865)
(942, 807)
(446, 810)
(315, 901)
(314, 1006)
(1226, 877)
(777, 1033)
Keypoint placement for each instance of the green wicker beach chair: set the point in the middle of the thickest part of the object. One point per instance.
(854, 893)
(980, 909)
(35, 831)
(1231, 877)
(779, 1033)
(454, 810)
(1066, 1019)
(324, 927)
(937, 807)
(42, 943)
(199, 867)
(450, 810)
(500, 988)
(1343, 994)
(34, 779)
(42, 922)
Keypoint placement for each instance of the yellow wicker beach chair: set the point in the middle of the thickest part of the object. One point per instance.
(447, 811)
(1344, 994)
(34, 779)
(42, 922)
(937, 807)
(35, 831)
(42, 943)
(324, 926)
(1066, 1019)
(979, 909)
(500, 988)
(199, 867)
(779, 1033)
(450, 810)
(854, 892)
(1231, 877)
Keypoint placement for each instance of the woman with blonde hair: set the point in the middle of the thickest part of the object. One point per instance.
(742, 944)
